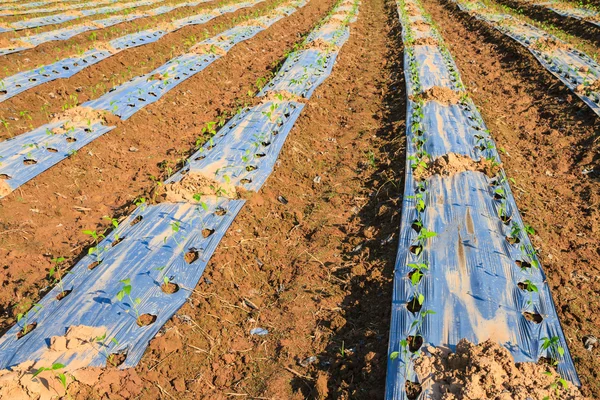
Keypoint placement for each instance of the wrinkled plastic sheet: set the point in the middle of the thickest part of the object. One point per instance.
(149, 251)
(123, 101)
(54, 9)
(15, 84)
(68, 67)
(62, 18)
(145, 249)
(455, 128)
(581, 13)
(33, 4)
(573, 67)
(471, 286)
(129, 98)
(302, 73)
(244, 151)
(28, 155)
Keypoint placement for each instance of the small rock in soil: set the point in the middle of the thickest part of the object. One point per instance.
(259, 331)
(589, 341)
(282, 200)
(307, 361)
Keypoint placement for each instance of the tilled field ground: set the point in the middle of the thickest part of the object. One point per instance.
(310, 257)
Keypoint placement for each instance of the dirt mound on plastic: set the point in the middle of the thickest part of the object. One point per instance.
(487, 371)
(412, 10)
(81, 117)
(549, 44)
(105, 46)
(77, 345)
(322, 45)
(425, 41)
(203, 48)
(191, 186)
(280, 96)
(6, 43)
(586, 90)
(440, 94)
(450, 164)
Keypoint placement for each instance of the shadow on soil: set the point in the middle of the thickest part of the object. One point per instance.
(354, 363)
(561, 108)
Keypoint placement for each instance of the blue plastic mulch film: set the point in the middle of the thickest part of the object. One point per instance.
(167, 242)
(465, 266)
(118, 292)
(65, 68)
(579, 72)
(55, 8)
(26, 156)
(33, 4)
(71, 15)
(244, 151)
(30, 41)
(565, 9)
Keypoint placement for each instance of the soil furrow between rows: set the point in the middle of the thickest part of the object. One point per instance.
(41, 102)
(107, 175)
(315, 271)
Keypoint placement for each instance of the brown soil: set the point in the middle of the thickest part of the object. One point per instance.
(440, 94)
(81, 117)
(450, 164)
(77, 344)
(170, 288)
(550, 140)
(193, 184)
(146, 319)
(574, 31)
(316, 269)
(550, 44)
(43, 102)
(593, 87)
(487, 371)
(316, 272)
(426, 41)
(207, 49)
(46, 216)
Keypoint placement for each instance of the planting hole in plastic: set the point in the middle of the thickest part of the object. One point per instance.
(533, 317)
(513, 240)
(416, 225)
(146, 319)
(116, 359)
(136, 220)
(26, 330)
(206, 232)
(169, 287)
(415, 343)
(94, 265)
(191, 256)
(413, 389)
(411, 273)
(63, 294)
(416, 249)
(413, 305)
